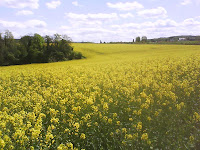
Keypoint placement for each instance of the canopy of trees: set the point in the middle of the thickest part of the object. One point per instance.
(144, 39)
(35, 49)
(137, 39)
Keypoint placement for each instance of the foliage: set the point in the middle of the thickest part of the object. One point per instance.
(144, 39)
(176, 42)
(35, 49)
(137, 39)
(121, 97)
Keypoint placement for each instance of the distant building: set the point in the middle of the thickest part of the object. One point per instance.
(182, 39)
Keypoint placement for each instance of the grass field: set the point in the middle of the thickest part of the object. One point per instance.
(120, 97)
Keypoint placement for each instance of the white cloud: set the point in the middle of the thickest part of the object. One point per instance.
(24, 12)
(190, 22)
(186, 2)
(88, 33)
(82, 23)
(125, 6)
(97, 16)
(97, 20)
(128, 31)
(94, 31)
(166, 23)
(75, 3)
(153, 13)
(197, 2)
(91, 28)
(35, 24)
(53, 4)
(45, 31)
(127, 25)
(33, 4)
(23, 25)
(159, 28)
(127, 15)
(11, 24)
(76, 16)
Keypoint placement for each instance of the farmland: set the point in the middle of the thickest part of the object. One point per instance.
(120, 97)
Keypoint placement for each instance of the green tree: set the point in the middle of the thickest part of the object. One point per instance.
(25, 44)
(1, 50)
(65, 48)
(8, 38)
(48, 40)
(66, 38)
(38, 42)
(56, 38)
(144, 39)
(137, 39)
(48, 50)
(10, 49)
(35, 49)
(32, 48)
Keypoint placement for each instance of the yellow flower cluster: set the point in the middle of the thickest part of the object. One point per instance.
(120, 97)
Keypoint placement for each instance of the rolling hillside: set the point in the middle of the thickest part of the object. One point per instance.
(119, 97)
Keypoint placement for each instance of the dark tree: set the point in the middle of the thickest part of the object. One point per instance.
(9, 50)
(144, 39)
(25, 48)
(56, 38)
(1, 50)
(138, 39)
(48, 50)
(35, 49)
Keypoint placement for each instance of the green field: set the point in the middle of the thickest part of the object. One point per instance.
(121, 96)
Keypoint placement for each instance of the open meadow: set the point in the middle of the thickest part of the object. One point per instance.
(122, 96)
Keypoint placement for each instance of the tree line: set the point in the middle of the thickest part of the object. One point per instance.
(138, 39)
(35, 49)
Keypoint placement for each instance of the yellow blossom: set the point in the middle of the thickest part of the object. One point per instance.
(114, 115)
(105, 106)
(82, 136)
(118, 122)
(111, 134)
(124, 130)
(144, 136)
(109, 120)
(77, 125)
(130, 119)
(196, 116)
(128, 136)
(70, 145)
(2, 143)
(191, 138)
(139, 126)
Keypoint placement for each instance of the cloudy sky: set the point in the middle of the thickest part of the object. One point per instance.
(106, 20)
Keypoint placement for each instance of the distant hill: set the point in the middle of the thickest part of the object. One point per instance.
(176, 38)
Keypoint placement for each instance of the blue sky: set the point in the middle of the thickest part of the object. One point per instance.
(106, 20)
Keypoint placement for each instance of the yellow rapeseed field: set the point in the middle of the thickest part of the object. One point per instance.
(120, 97)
